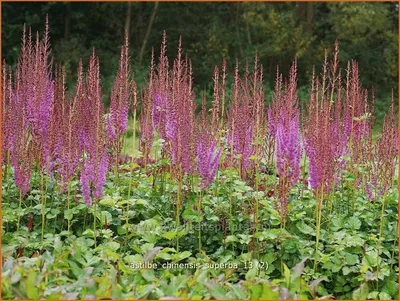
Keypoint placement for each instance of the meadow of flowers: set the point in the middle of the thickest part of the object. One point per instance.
(244, 197)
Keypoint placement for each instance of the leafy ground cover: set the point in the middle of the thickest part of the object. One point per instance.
(234, 261)
(231, 201)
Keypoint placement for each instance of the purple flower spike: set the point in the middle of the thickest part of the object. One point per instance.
(288, 151)
(207, 160)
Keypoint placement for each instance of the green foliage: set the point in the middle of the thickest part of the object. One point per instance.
(135, 255)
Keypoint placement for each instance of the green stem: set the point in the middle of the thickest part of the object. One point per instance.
(378, 246)
(69, 204)
(127, 225)
(134, 133)
(43, 205)
(19, 209)
(116, 168)
(200, 220)
(133, 155)
(94, 223)
(318, 225)
(178, 208)
(6, 171)
(330, 209)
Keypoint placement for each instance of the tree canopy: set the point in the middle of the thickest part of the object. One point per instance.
(211, 32)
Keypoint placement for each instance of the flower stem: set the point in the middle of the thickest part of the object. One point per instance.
(178, 208)
(69, 204)
(378, 246)
(19, 209)
(200, 220)
(94, 223)
(318, 225)
(6, 170)
(44, 191)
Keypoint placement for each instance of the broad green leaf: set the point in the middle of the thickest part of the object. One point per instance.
(304, 228)
(170, 235)
(32, 290)
(182, 255)
(268, 293)
(239, 294)
(384, 296)
(217, 291)
(231, 238)
(191, 215)
(354, 223)
(351, 259)
(256, 291)
(361, 293)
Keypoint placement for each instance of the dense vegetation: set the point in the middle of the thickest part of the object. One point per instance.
(155, 197)
(211, 32)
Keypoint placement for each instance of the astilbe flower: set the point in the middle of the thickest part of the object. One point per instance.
(216, 101)
(83, 111)
(384, 154)
(95, 146)
(286, 132)
(29, 102)
(180, 127)
(322, 151)
(37, 88)
(208, 156)
(276, 107)
(7, 121)
(21, 146)
(218, 104)
(159, 112)
(241, 125)
(160, 90)
(121, 93)
(288, 150)
(325, 133)
(356, 113)
(146, 125)
(207, 150)
(240, 135)
(64, 129)
(93, 177)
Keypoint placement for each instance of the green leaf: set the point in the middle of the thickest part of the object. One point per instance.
(170, 235)
(373, 295)
(68, 214)
(286, 273)
(346, 270)
(217, 291)
(361, 293)
(231, 238)
(371, 257)
(351, 259)
(182, 255)
(191, 215)
(148, 274)
(384, 296)
(391, 287)
(239, 294)
(256, 291)
(244, 238)
(253, 272)
(32, 290)
(268, 293)
(304, 228)
(144, 291)
(337, 223)
(354, 223)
